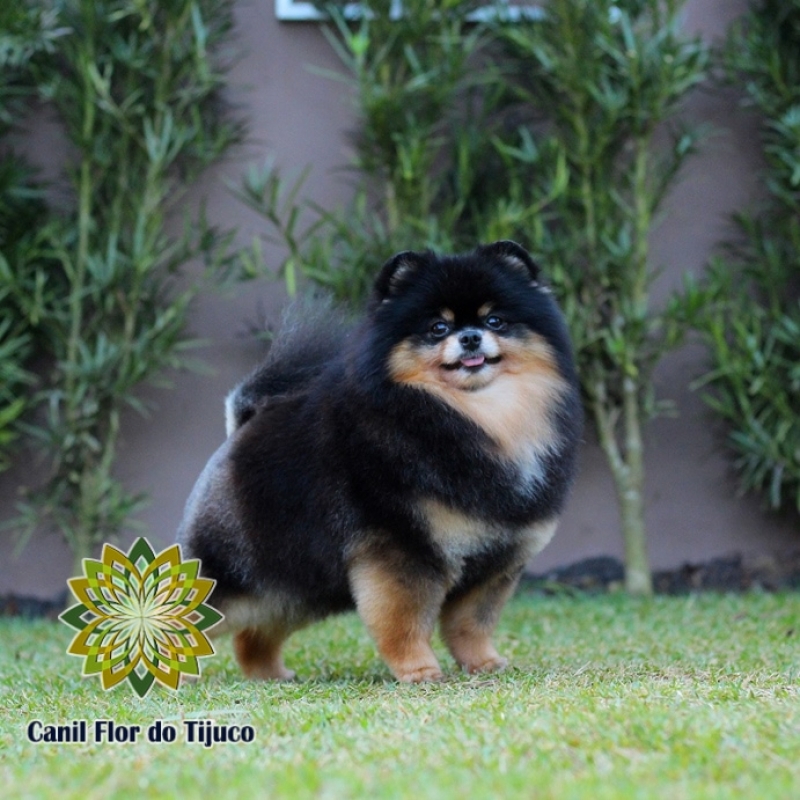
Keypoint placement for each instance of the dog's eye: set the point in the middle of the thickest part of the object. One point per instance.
(440, 329)
(494, 322)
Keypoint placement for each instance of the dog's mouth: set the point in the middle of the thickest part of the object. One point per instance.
(472, 363)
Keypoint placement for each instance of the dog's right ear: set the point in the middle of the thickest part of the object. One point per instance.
(397, 273)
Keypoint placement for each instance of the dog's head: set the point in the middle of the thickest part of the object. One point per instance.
(457, 323)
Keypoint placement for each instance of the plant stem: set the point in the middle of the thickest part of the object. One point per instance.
(638, 579)
(80, 534)
(627, 470)
(641, 226)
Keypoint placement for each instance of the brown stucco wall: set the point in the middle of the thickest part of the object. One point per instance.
(302, 118)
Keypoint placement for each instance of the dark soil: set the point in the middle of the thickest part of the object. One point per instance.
(12, 605)
(590, 576)
(731, 574)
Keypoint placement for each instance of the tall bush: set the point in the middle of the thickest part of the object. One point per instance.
(27, 36)
(137, 87)
(542, 130)
(748, 311)
(601, 80)
(425, 165)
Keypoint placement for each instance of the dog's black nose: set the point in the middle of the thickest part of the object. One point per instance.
(470, 339)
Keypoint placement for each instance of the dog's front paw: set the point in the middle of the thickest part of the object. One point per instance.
(270, 672)
(492, 664)
(422, 674)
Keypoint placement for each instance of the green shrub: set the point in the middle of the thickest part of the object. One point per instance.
(21, 306)
(539, 130)
(27, 37)
(748, 311)
(597, 80)
(137, 87)
(425, 95)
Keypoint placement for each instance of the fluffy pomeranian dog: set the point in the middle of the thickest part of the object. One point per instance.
(408, 466)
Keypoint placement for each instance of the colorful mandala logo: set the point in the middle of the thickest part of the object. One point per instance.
(141, 617)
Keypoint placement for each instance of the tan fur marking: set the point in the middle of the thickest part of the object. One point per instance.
(537, 537)
(447, 315)
(514, 407)
(267, 611)
(400, 616)
(259, 654)
(468, 622)
(456, 534)
(485, 310)
(410, 365)
(260, 626)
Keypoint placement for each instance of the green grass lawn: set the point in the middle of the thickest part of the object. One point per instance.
(608, 697)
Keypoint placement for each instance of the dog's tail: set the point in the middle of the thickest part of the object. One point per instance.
(311, 334)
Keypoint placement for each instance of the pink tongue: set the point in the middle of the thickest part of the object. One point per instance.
(474, 361)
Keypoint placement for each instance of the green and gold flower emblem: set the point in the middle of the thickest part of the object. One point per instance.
(141, 617)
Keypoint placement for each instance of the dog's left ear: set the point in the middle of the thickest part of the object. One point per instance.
(397, 273)
(512, 255)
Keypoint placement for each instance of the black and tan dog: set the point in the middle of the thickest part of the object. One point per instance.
(408, 466)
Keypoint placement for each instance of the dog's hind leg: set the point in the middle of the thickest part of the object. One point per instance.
(258, 652)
